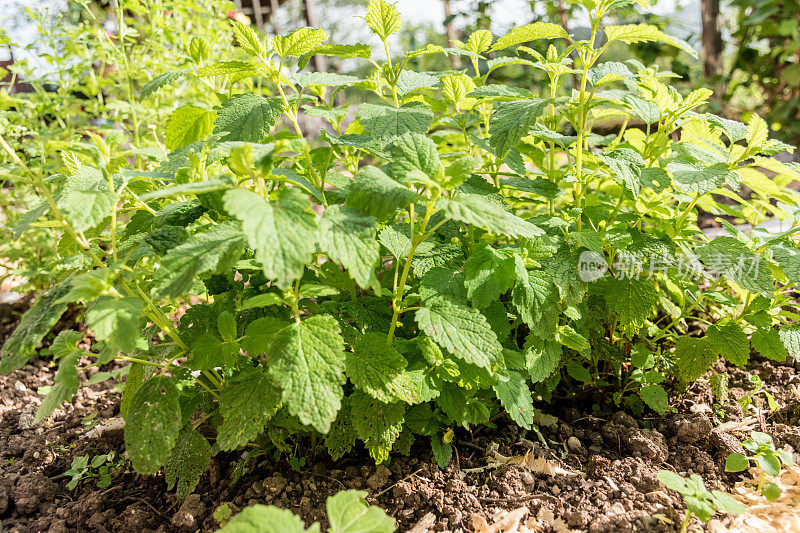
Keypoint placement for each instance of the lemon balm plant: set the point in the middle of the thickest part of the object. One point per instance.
(460, 249)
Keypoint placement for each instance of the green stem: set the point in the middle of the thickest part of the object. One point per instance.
(685, 524)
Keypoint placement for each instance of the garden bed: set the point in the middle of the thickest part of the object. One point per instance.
(585, 470)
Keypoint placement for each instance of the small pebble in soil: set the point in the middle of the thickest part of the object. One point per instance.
(574, 444)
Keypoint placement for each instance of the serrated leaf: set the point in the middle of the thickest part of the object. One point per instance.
(377, 423)
(25, 220)
(414, 151)
(190, 458)
(383, 18)
(86, 199)
(211, 251)
(477, 210)
(733, 259)
(638, 33)
(409, 81)
(299, 42)
(693, 357)
(757, 132)
(377, 368)
(186, 125)
(283, 234)
(342, 51)
(152, 424)
(209, 351)
(488, 273)
(382, 121)
(529, 32)
(728, 340)
(247, 401)
(790, 335)
(248, 117)
(608, 72)
(160, 81)
(515, 397)
(115, 321)
(511, 121)
(34, 325)
(535, 297)
(342, 436)
(626, 167)
(65, 386)
(267, 519)
(348, 238)
(228, 68)
(461, 330)
(655, 397)
(325, 79)
(348, 512)
(248, 38)
(375, 194)
(307, 361)
(632, 300)
(699, 180)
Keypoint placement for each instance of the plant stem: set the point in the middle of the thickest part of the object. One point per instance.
(685, 524)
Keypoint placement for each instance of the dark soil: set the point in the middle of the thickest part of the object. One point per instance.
(610, 460)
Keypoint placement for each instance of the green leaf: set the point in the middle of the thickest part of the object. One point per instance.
(152, 424)
(299, 42)
(655, 397)
(461, 330)
(639, 33)
(757, 132)
(263, 519)
(34, 325)
(736, 462)
(25, 220)
(673, 481)
(790, 336)
(283, 234)
(190, 458)
(412, 152)
(209, 252)
(246, 402)
(342, 51)
(306, 360)
(348, 238)
(696, 180)
(261, 300)
(529, 32)
(228, 68)
(383, 18)
(515, 397)
(732, 258)
(375, 194)
(693, 357)
(535, 298)
(377, 368)
(86, 199)
(728, 340)
(442, 451)
(608, 72)
(248, 117)
(378, 424)
(461, 169)
(542, 357)
(476, 210)
(382, 121)
(409, 81)
(726, 503)
(209, 351)
(511, 121)
(186, 125)
(115, 321)
(248, 38)
(65, 387)
(348, 512)
(160, 81)
(325, 79)
(626, 167)
(770, 464)
(342, 436)
(488, 274)
(770, 491)
(631, 300)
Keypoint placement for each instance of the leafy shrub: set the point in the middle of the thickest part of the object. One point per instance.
(459, 249)
(768, 460)
(700, 502)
